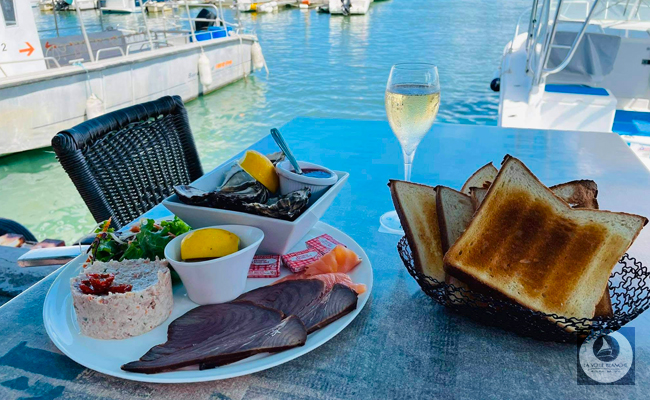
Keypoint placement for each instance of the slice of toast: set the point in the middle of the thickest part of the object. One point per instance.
(582, 194)
(604, 306)
(477, 195)
(530, 246)
(483, 177)
(455, 212)
(416, 207)
(579, 194)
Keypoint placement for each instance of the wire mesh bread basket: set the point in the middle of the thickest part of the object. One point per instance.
(628, 287)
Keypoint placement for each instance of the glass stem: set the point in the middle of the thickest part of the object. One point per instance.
(408, 164)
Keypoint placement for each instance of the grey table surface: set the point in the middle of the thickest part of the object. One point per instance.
(402, 345)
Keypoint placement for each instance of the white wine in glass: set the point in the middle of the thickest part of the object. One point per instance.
(412, 102)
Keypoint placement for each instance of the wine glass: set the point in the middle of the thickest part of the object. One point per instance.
(412, 102)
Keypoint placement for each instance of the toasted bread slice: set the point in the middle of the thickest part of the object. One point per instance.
(582, 194)
(604, 306)
(416, 207)
(530, 246)
(579, 194)
(477, 195)
(481, 178)
(454, 214)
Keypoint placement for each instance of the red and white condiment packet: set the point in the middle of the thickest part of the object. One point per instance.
(298, 261)
(323, 243)
(265, 267)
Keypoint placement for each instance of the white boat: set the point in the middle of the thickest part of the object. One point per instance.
(158, 6)
(53, 84)
(84, 4)
(46, 5)
(67, 5)
(349, 7)
(120, 6)
(580, 65)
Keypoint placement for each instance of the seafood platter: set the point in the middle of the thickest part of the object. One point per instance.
(242, 278)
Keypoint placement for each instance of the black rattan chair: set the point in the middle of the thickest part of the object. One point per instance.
(125, 162)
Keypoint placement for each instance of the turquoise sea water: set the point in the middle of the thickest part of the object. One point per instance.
(321, 66)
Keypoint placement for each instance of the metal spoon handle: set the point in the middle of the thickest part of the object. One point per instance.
(277, 136)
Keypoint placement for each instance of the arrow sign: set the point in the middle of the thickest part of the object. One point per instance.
(29, 50)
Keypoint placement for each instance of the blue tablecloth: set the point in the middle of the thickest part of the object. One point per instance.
(402, 345)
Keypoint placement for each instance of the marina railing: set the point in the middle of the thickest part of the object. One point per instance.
(219, 19)
(151, 38)
(107, 50)
(546, 15)
(46, 59)
(542, 28)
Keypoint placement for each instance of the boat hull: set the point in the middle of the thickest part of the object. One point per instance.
(357, 7)
(35, 107)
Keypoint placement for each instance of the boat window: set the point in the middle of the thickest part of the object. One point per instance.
(9, 12)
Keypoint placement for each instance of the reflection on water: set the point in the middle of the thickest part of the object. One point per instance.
(321, 66)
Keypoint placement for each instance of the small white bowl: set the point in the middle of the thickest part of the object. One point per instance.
(290, 181)
(280, 235)
(221, 279)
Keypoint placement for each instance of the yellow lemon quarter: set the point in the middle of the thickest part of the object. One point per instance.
(260, 168)
(208, 243)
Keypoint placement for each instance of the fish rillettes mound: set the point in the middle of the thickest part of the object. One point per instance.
(114, 315)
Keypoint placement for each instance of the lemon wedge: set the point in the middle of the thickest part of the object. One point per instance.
(260, 168)
(208, 243)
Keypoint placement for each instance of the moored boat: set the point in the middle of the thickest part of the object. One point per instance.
(580, 66)
(349, 7)
(52, 84)
(157, 6)
(46, 5)
(120, 6)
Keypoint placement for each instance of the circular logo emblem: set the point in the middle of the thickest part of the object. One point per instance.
(606, 358)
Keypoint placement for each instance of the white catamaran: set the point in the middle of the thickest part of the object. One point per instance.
(580, 65)
(48, 85)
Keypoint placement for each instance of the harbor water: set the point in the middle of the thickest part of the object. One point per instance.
(320, 66)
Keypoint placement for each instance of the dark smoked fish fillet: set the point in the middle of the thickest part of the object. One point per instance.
(307, 299)
(339, 301)
(220, 334)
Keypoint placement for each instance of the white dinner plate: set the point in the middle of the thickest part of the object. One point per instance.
(107, 356)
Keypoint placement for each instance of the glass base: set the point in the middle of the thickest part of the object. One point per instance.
(390, 222)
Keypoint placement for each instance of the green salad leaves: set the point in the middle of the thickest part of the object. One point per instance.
(148, 240)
